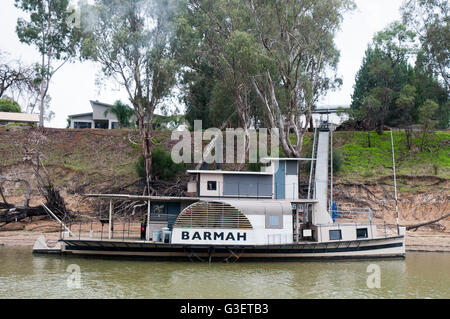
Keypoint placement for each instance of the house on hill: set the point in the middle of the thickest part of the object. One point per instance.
(97, 118)
(23, 118)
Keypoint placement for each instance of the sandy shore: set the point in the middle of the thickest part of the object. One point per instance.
(26, 236)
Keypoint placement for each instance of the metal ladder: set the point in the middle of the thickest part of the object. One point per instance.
(311, 187)
(312, 172)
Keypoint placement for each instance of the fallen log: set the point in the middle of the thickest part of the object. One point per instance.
(18, 213)
(417, 226)
(15, 213)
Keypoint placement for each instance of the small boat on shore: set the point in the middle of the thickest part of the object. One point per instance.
(244, 216)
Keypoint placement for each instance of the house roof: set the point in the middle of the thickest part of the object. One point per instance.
(82, 114)
(19, 117)
(98, 103)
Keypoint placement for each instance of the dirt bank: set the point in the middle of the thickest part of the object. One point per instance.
(98, 161)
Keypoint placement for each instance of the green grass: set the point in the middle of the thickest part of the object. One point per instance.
(95, 157)
(364, 163)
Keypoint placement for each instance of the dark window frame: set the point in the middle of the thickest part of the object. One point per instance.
(335, 231)
(211, 185)
(365, 235)
(82, 125)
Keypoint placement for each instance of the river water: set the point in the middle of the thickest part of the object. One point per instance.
(24, 275)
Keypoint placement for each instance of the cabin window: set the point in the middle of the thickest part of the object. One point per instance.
(361, 233)
(274, 221)
(212, 185)
(335, 234)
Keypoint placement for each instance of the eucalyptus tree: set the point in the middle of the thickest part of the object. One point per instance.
(52, 27)
(19, 82)
(218, 44)
(429, 20)
(298, 38)
(132, 41)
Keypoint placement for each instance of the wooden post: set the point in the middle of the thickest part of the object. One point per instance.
(110, 219)
(147, 231)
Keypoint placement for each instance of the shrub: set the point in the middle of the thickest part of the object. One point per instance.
(162, 165)
(338, 159)
(7, 105)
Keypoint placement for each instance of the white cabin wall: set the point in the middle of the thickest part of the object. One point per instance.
(348, 231)
(291, 187)
(204, 185)
(263, 236)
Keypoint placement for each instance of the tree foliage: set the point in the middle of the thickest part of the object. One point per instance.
(298, 39)
(123, 113)
(163, 166)
(51, 29)
(7, 105)
(390, 91)
(132, 41)
(429, 20)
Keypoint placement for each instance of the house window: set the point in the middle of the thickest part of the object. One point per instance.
(335, 234)
(114, 125)
(101, 125)
(361, 233)
(212, 185)
(274, 221)
(82, 125)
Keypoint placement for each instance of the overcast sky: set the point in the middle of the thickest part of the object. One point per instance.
(75, 84)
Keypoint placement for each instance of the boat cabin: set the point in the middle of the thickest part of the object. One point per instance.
(245, 208)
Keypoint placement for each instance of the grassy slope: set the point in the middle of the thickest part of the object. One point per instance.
(363, 163)
(94, 156)
(73, 157)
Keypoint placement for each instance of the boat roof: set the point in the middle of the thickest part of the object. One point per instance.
(227, 172)
(230, 200)
(287, 159)
(259, 207)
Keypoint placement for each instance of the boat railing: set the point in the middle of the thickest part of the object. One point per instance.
(126, 229)
(360, 215)
(352, 213)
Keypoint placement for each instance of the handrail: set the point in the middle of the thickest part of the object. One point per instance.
(56, 218)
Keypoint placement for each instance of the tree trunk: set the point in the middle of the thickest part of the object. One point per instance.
(408, 137)
(46, 188)
(415, 227)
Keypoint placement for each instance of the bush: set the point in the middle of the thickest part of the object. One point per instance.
(338, 159)
(7, 105)
(255, 167)
(162, 165)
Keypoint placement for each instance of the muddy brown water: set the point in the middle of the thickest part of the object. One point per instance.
(24, 275)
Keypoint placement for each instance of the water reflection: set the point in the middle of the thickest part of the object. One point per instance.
(22, 275)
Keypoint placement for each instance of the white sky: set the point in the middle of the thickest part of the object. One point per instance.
(75, 84)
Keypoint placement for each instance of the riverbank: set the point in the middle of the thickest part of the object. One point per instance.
(102, 161)
(415, 241)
